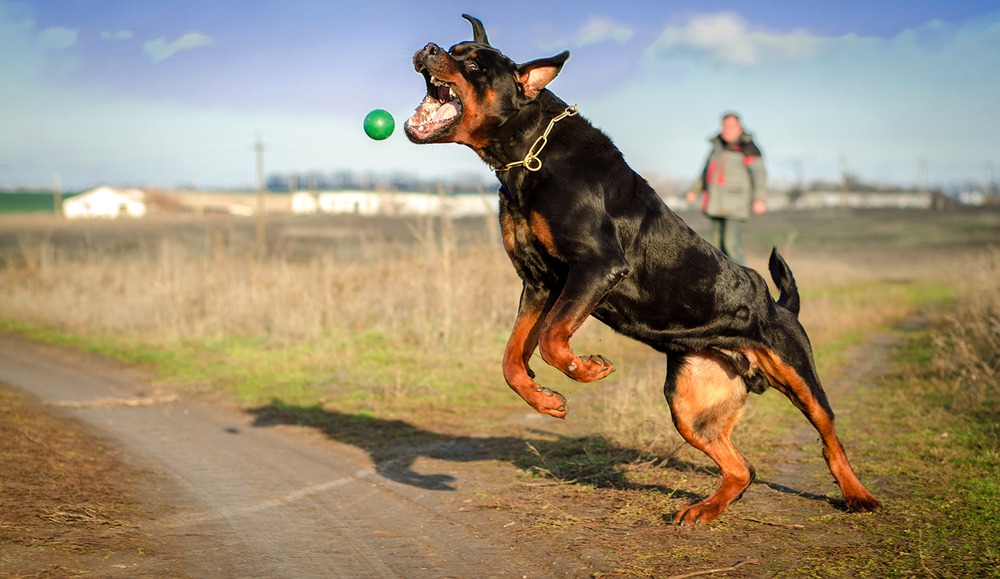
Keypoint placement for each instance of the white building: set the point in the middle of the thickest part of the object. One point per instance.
(304, 203)
(392, 203)
(350, 202)
(105, 202)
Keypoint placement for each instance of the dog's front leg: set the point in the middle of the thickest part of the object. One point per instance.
(535, 302)
(586, 285)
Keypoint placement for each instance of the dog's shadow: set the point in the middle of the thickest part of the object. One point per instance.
(395, 445)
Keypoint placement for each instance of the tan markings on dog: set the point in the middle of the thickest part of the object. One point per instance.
(474, 129)
(787, 380)
(555, 349)
(512, 241)
(784, 378)
(554, 345)
(515, 367)
(516, 354)
(517, 233)
(706, 404)
(706, 394)
(542, 232)
(507, 232)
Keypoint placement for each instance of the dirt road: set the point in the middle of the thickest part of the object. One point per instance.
(242, 498)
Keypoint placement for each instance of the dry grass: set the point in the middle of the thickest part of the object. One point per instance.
(429, 294)
(63, 498)
(967, 351)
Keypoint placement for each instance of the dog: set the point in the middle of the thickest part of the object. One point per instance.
(589, 237)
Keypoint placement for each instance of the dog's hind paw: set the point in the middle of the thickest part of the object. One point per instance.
(699, 514)
(862, 504)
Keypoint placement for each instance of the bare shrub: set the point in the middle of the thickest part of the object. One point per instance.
(967, 351)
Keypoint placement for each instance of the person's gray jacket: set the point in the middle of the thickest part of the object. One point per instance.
(733, 178)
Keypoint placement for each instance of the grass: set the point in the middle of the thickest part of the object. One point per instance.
(409, 335)
(28, 202)
(395, 325)
(941, 454)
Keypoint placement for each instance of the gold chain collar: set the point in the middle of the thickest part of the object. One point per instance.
(531, 161)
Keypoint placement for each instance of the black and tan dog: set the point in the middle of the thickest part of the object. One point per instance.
(589, 237)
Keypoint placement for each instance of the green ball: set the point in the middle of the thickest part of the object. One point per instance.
(379, 124)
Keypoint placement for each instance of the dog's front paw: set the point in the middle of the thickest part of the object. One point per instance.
(548, 401)
(589, 368)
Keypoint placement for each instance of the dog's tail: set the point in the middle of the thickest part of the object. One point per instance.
(783, 278)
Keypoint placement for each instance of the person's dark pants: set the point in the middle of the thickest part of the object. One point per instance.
(727, 235)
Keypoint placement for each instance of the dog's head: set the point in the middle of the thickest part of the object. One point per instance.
(472, 89)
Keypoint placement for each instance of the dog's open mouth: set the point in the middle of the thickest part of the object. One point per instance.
(439, 111)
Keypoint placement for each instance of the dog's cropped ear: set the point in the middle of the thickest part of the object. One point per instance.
(478, 30)
(535, 75)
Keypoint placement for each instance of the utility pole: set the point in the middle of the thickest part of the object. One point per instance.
(990, 192)
(261, 240)
(57, 197)
(923, 176)
(800, 186)
(843, 181)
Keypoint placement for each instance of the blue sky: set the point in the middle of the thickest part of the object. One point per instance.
(143, 92)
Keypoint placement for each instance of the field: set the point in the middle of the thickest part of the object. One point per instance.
(405, 320)
(27, 202)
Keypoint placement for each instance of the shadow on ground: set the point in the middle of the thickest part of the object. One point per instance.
(394, 446)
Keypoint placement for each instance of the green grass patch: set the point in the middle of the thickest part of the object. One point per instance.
(29, 202)
(355, 372)
(879, 306)
(940, 460)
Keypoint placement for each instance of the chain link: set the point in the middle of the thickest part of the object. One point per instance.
(531, 162)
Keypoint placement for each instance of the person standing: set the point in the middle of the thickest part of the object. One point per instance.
(732, 186)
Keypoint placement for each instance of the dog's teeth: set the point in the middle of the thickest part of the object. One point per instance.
(451, 92)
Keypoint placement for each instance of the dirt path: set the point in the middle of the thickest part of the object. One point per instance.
(278, 492)
(239, 500)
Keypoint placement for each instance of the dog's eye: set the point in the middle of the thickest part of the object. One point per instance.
(471, 65)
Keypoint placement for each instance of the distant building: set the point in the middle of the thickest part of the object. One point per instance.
(350, 202)
(862, 200)
(304, 203)
(391, 203)
(107, 203)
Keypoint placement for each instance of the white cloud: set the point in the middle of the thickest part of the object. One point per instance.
(160, 49)
(58, 37)
(117, 35)
(884, 104)
(727, 38)
(598, 29)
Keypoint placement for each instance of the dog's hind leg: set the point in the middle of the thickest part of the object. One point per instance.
(706, 398)
(803, 389)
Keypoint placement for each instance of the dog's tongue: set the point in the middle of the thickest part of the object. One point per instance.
(445, 112)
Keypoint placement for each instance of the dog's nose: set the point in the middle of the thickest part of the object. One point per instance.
(430, 50)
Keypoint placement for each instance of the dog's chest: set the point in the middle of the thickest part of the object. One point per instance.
(530, 244)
